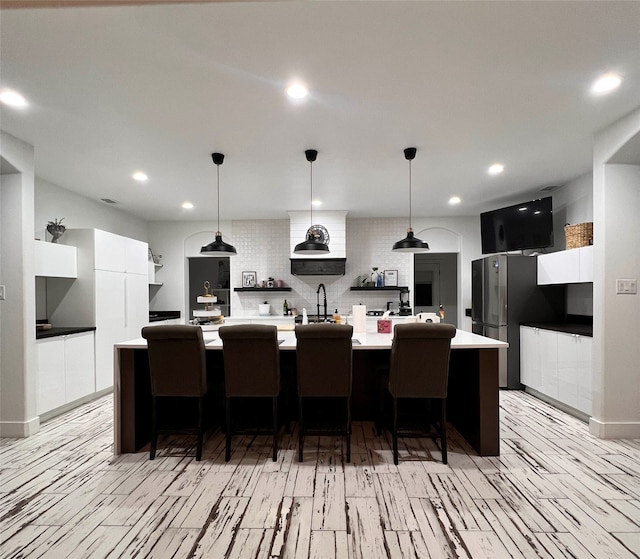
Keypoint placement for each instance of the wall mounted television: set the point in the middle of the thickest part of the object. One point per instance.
(517, 227)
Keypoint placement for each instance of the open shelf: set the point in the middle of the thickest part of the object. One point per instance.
(256, 289)
(394, 288)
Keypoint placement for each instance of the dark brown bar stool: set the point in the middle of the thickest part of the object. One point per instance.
(251, 370)
(419, 368)
(177, 365)
(324, 363)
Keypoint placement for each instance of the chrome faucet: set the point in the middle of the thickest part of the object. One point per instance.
(321, 285)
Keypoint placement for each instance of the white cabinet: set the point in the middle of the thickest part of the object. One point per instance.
(111, 293)
(558, 365)
(65, 370)
(54, 260)
(566, 266)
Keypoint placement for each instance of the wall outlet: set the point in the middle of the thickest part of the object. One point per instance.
(627, 286)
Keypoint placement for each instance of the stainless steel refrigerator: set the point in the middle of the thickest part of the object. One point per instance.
(504, 293)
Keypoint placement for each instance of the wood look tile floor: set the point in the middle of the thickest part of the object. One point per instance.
(555, 491)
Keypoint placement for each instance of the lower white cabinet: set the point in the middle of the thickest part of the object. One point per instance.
(66, 370)
(558, 365)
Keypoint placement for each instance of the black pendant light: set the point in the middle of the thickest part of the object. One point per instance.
(410, 243)
(311, 245)
(218, 246)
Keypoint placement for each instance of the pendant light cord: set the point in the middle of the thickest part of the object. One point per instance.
(218, 173)
(311, 197)
(410, 194)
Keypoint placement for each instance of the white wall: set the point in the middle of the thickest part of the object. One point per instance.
(17, 312)
(263, 247)
(616, 412)
(80, 212)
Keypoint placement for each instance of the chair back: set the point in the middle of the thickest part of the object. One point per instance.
(324, 359)
(420, 360)
(251, 360)
(177, 360)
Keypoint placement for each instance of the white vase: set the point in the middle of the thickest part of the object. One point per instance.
(264, 309)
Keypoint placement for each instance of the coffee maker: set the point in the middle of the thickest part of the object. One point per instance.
(405, 305)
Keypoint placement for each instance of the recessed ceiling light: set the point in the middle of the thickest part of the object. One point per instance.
(140, 176)
(317, 202)
(12, 98)
(187, 206)
(495, 169)
(454, 200)
(606, 83)
(297, 91)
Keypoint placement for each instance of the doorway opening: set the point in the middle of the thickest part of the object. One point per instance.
(435, 283)
(215, 271)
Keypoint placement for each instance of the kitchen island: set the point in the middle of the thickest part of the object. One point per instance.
(472, 402)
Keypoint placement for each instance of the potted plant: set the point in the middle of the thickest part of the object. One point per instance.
(56, 229)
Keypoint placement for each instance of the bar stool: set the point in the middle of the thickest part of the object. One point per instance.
(177, 365)
(324, 366)
(419, 368)
(251, 370)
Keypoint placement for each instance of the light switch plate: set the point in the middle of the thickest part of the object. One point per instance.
(1, 292)
(627, 286)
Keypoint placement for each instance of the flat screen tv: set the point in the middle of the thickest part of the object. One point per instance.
(517, 227)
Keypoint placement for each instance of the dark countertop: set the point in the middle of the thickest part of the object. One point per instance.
(576, 326)
(157, 316)
(62, 331)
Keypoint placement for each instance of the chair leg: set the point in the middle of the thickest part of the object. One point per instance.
(227, 451)
(200, 428)
(395, 431)
(154, 429)
(275, 428)
(300, 429)
(380, 410)
(348, 430)
(443, 430)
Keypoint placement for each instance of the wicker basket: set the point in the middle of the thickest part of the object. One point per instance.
(579, 235)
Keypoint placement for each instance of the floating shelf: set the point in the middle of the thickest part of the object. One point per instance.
(256, 289)
(395, 288)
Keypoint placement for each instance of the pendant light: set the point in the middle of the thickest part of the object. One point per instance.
(218, 247)
(410, 243)
(311, 245)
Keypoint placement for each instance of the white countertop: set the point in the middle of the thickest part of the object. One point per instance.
(368, 340)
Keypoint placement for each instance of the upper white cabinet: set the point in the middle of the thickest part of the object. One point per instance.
(566, 266)
(54, 260)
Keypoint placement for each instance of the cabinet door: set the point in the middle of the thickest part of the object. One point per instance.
(109, 251)
(136, 256)
(79, 356)
(136, 306)
(530, 362)
(586, 264)
(585, 374)
(559, 267)
(568, 369)
(110, 322)
(50, 367)
(549, 362)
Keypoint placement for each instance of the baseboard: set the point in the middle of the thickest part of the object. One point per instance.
(19, 429)
(560, 405)
(614, 429)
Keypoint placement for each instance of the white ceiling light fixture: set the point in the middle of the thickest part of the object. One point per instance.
(312, 243)
(297, 91)
(495, 169)
(187, 206)
(12, 98)
(140, 176)
(410, 243)
(606, 84)
(454, 200)
(218, 246)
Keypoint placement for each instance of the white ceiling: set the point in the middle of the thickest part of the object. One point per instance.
(158, 88)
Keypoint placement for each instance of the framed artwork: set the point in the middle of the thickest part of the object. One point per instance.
(249, 279)
(391, 278)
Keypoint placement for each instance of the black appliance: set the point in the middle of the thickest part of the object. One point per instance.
(405, 305)
(518, 227)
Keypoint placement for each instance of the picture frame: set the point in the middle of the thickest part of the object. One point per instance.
(390, 278)
(249, 279)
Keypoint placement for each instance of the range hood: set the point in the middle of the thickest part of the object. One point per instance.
(330, 264)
